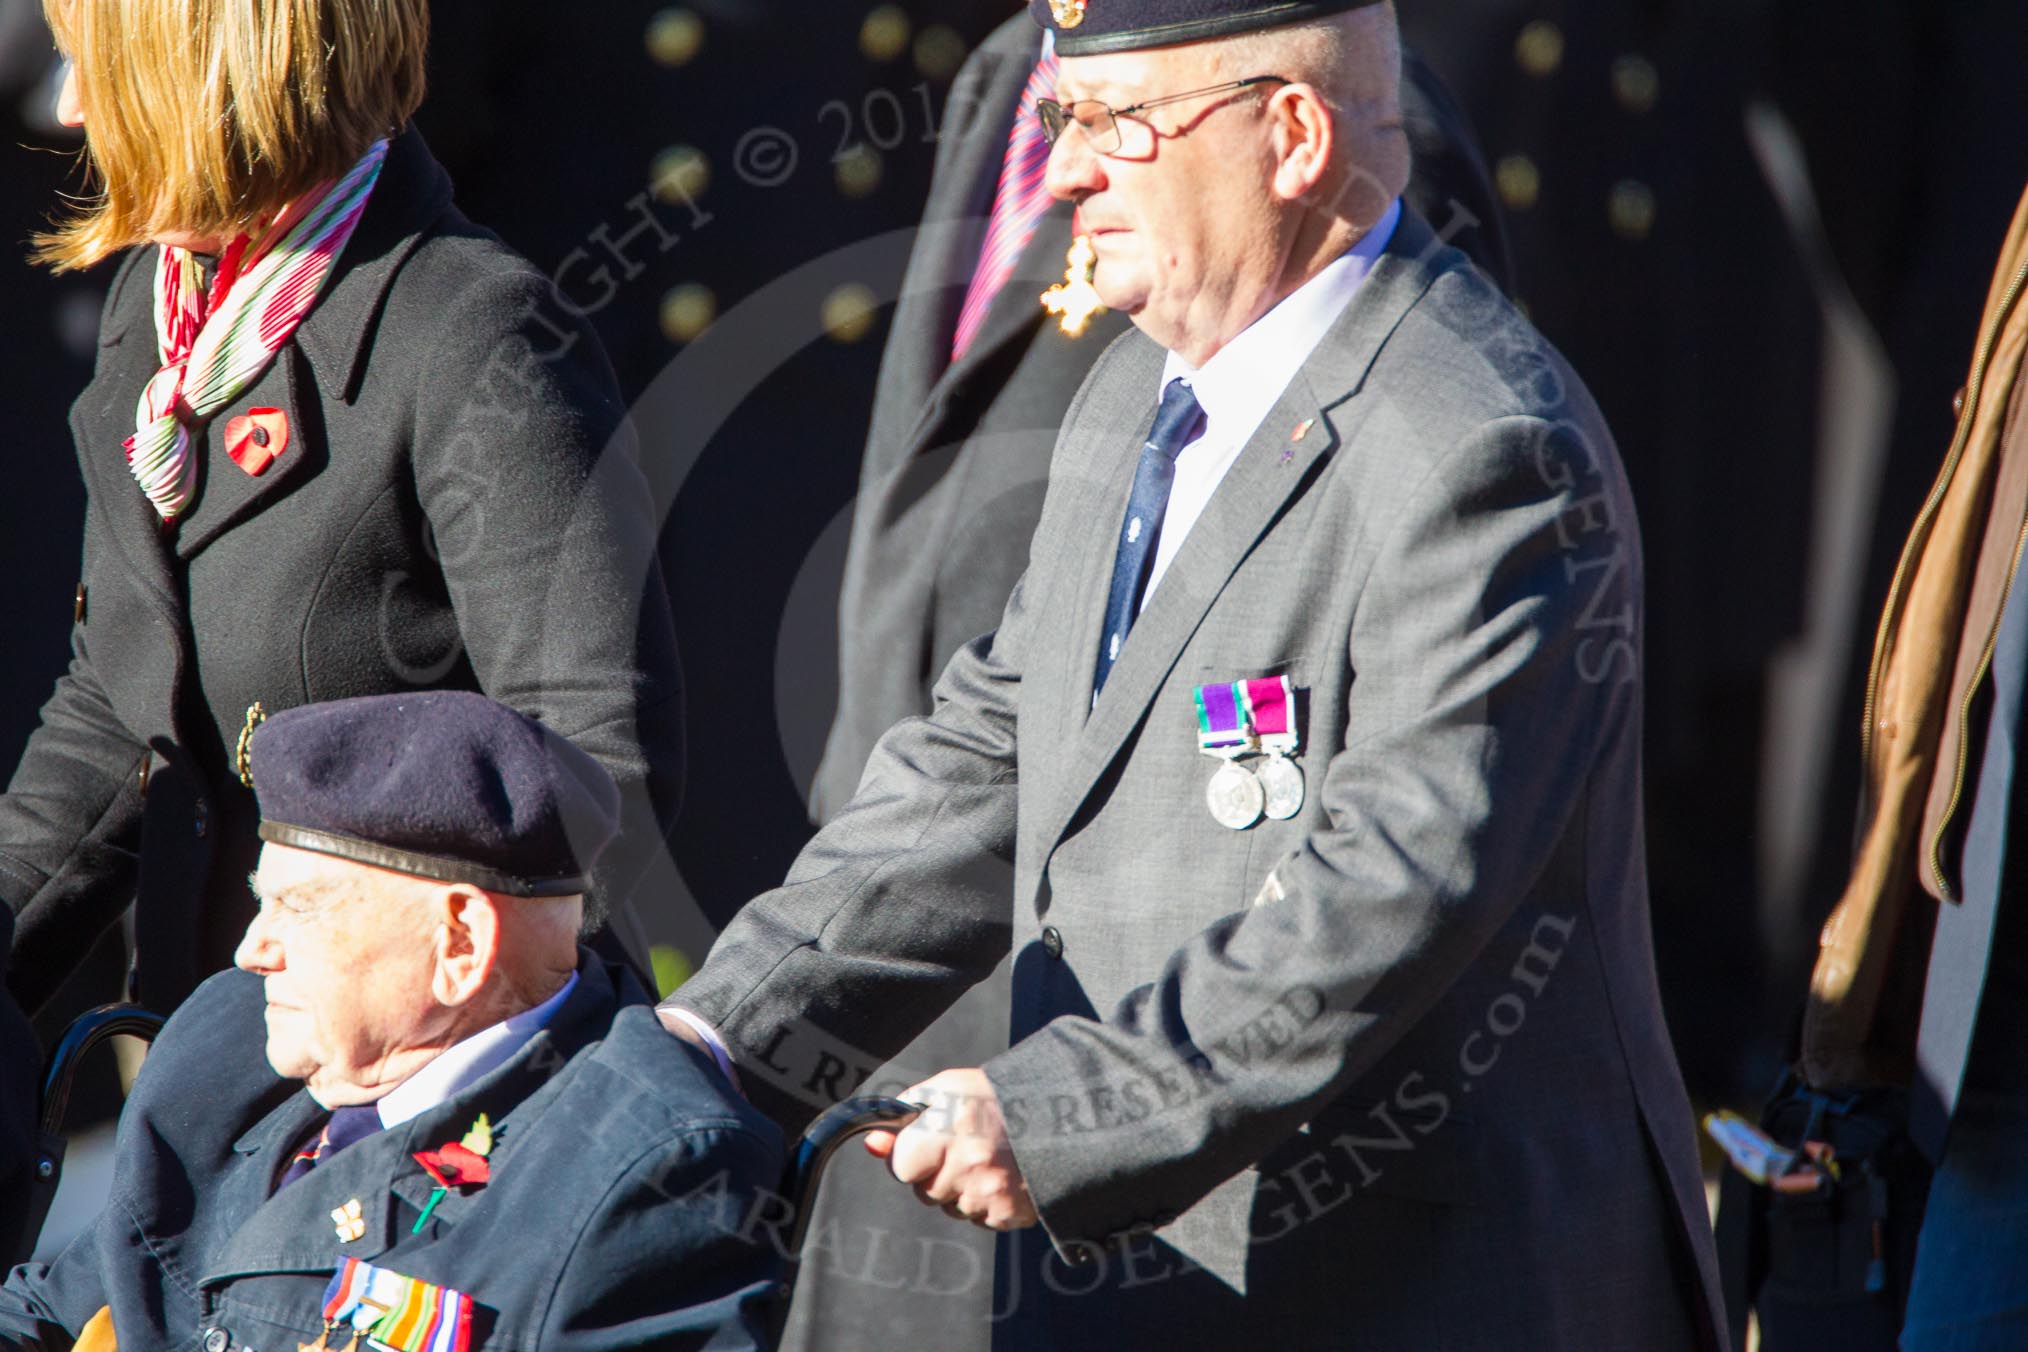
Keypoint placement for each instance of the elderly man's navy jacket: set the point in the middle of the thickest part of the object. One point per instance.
(626, 1177)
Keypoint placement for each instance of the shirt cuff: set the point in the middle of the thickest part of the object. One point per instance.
(711, 1040)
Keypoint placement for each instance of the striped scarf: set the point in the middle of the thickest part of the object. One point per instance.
(215, 342)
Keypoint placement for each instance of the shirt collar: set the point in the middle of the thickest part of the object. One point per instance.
(465, 1063)
(1242, 381)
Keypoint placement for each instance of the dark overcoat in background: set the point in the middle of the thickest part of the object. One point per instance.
(457, 505)
(624, 1173)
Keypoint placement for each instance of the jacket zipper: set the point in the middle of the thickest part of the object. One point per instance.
(1891, 614)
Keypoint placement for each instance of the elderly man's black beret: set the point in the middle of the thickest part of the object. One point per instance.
(442, 784)
(1089, 27)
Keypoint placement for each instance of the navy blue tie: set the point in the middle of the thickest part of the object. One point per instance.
(345, 1126)
(1178, 421)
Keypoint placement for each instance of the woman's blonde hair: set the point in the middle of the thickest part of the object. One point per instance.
(202, 116)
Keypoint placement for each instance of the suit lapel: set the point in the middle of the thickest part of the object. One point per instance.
(1269, 471)
(1098, 467)
(290, 1231)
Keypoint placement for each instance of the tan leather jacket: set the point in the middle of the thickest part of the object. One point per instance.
(1930, 658)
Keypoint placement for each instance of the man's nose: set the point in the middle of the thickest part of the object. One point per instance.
(258, 952)
(1074, 169)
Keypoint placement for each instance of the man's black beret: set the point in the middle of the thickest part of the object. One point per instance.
(1089, 27)
(444, 784)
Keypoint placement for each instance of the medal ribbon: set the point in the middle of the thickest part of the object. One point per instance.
(1224, 726)
(214, 343)
(1271, 704)
(397, 1313)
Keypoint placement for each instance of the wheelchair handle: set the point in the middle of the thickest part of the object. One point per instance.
(839, 1124)
(85, 1033)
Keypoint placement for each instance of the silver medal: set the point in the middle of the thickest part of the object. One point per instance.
(1234, 796)
(1281, 782)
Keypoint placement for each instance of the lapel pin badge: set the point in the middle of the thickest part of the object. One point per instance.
(1075, 300)
(257, 438)
(1302, 430)
(350, 1220)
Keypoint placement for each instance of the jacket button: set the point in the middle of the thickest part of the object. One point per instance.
(1957, 411)
(77, 608)
(203, 816)
(217, 1340)
(1052, 941)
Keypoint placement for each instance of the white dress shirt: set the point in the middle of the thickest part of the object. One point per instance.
(465, 1063)
(1240, 384)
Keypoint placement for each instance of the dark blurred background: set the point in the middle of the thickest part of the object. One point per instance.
(1761, 231)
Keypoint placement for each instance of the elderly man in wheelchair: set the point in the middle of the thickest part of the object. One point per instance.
(466, 1130)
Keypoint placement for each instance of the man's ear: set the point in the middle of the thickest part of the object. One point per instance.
(468, 943)
(1305, 139)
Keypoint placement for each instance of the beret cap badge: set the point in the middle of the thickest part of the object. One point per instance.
(1067, 13)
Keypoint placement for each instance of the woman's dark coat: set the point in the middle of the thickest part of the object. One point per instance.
(458, 505)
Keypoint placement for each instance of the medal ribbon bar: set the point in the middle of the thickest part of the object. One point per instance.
(1224, 726)
(1271, 702)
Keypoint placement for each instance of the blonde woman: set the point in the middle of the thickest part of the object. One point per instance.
(340, 442)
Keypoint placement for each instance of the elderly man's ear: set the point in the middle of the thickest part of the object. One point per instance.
(1305, 140)
(467, 942)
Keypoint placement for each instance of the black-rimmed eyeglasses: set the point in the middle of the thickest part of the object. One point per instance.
(1101, 125)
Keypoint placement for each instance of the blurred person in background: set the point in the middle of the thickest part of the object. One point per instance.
(1921, 982)
(339, 441)
(1706, 221)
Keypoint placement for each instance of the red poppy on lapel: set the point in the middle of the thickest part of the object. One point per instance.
(454, 1165)
(257, 438)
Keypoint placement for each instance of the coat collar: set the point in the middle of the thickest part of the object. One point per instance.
(412, 193)
(333, 339)
(293, 1231)
(1271, 470)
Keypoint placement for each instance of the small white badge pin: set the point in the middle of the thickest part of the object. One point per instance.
(350, 1220)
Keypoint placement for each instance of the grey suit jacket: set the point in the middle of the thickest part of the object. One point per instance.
(1392, 1073)
(957, 455)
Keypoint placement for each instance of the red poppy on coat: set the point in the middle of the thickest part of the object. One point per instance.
(257, 438)
(454, 1165)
